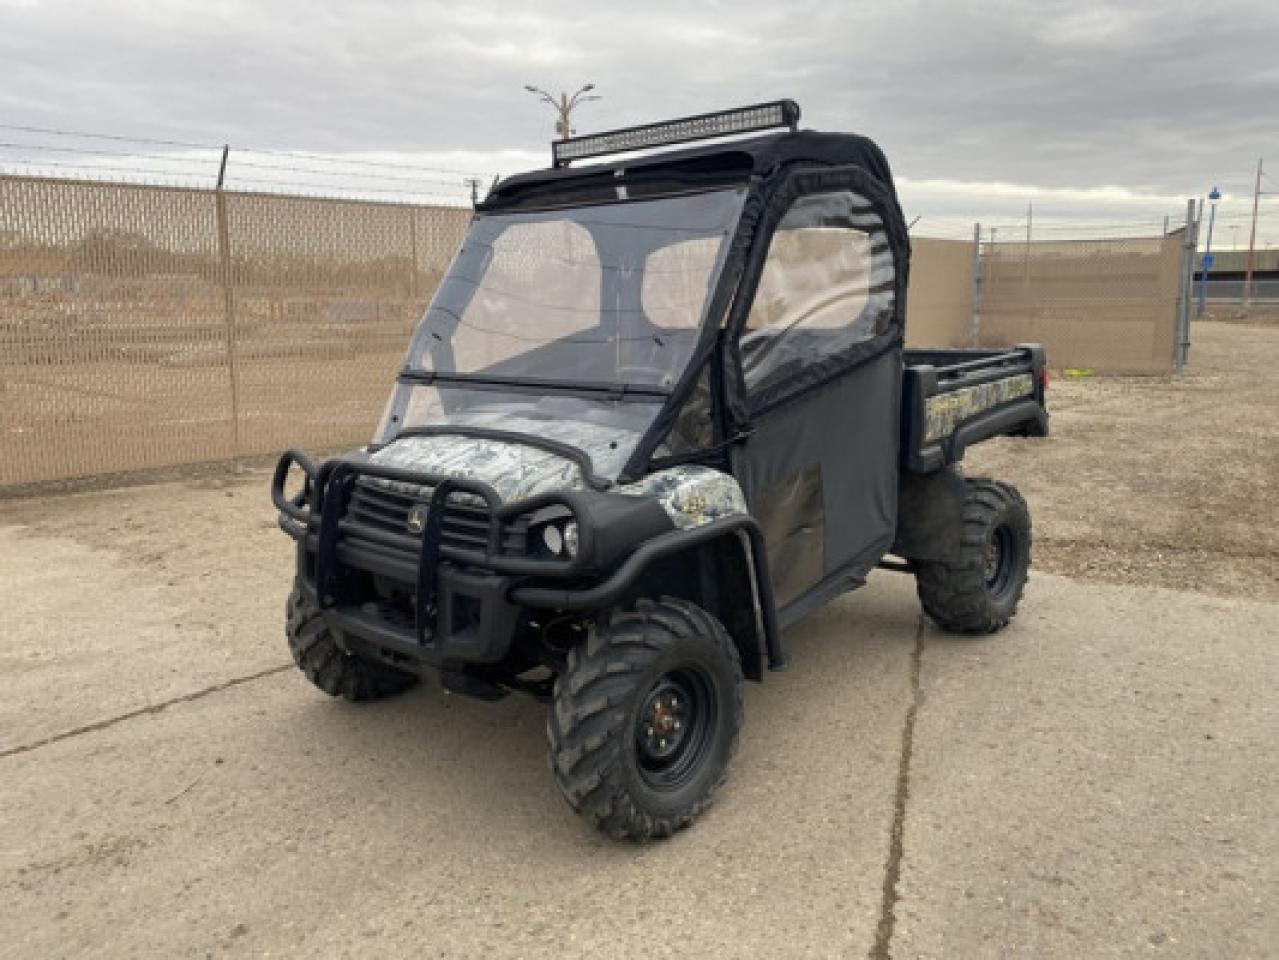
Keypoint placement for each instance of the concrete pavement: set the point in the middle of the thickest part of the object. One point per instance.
(1099, 780)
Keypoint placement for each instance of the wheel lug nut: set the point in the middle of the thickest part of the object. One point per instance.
(662, 744)
(676, 725)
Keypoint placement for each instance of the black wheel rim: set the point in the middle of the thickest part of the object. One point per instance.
(675, 727)
(1001, 560)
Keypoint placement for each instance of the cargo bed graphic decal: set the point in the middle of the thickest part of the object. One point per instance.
(946, 411)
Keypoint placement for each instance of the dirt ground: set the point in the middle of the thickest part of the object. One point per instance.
(1160, 481)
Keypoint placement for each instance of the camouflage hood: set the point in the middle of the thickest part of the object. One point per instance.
(691, 495)
(515, 470)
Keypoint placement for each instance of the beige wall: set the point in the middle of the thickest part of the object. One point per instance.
(1108, 306)
(939, 303)
(1105, 305)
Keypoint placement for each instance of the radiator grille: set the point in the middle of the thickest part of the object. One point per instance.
(465, 525)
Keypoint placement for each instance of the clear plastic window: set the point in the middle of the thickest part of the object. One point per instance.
(523, 301)
(607, 294)
(677, 281)
(826, 285)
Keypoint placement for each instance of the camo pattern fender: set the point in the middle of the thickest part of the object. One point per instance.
(944, 412)
(691, 495)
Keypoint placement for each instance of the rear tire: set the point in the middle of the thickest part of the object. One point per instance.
(978, 592)
(339, 674)
(646, 719)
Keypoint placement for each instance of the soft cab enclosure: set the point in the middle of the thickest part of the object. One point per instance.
(810, 288)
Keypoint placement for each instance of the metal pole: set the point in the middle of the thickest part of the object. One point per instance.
(1181, 346)
(1252, 238)
(413, 255)
(1030, 212)
(228, 301)
(974, 327)
(1206, 269)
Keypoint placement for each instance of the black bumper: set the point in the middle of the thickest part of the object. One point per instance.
(468, 598)
(453, 602)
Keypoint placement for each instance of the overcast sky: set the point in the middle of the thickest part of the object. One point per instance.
(1110, 111)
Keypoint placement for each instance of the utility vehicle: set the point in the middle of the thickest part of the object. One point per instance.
(658, 409)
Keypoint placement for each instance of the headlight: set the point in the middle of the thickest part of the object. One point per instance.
(553, 538)
(553, 533)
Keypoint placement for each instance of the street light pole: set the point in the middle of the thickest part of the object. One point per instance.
(1214, 196)
(563, 107)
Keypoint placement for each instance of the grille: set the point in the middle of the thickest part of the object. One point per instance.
(465, 525)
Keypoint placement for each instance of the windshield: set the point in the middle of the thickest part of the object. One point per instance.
(612, 294)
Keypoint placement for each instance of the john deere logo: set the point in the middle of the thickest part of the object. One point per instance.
(417, 519)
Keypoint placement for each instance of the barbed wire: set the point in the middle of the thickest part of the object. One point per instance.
(210, 162)
(170, 178)
(167, 158)
(347, 160)
(108, 136)
(189, 145)
(98, 170)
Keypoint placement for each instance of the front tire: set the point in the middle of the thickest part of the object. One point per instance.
(646, 719)
(339, 674)
(978, 592)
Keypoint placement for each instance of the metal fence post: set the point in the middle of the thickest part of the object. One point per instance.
(412, 211)
(974, 328)
(1181, 347)
(228, 301)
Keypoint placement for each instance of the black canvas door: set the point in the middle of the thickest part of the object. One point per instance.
(820, 366)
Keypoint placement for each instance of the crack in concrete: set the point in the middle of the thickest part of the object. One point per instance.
(882, 949)
(141, 711)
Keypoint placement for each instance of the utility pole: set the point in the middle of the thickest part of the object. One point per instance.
(474, 184)
(563, 107)
(1252, 238)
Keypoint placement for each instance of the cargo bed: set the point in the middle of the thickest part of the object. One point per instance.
(953, 398)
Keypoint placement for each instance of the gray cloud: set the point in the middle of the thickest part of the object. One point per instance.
(1162, 99)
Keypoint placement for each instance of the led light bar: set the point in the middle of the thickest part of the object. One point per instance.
(706, 126)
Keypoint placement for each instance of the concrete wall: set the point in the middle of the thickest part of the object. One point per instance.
(1236, 261)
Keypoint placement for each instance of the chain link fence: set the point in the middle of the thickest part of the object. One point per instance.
(145, 326)
(1113, 305)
